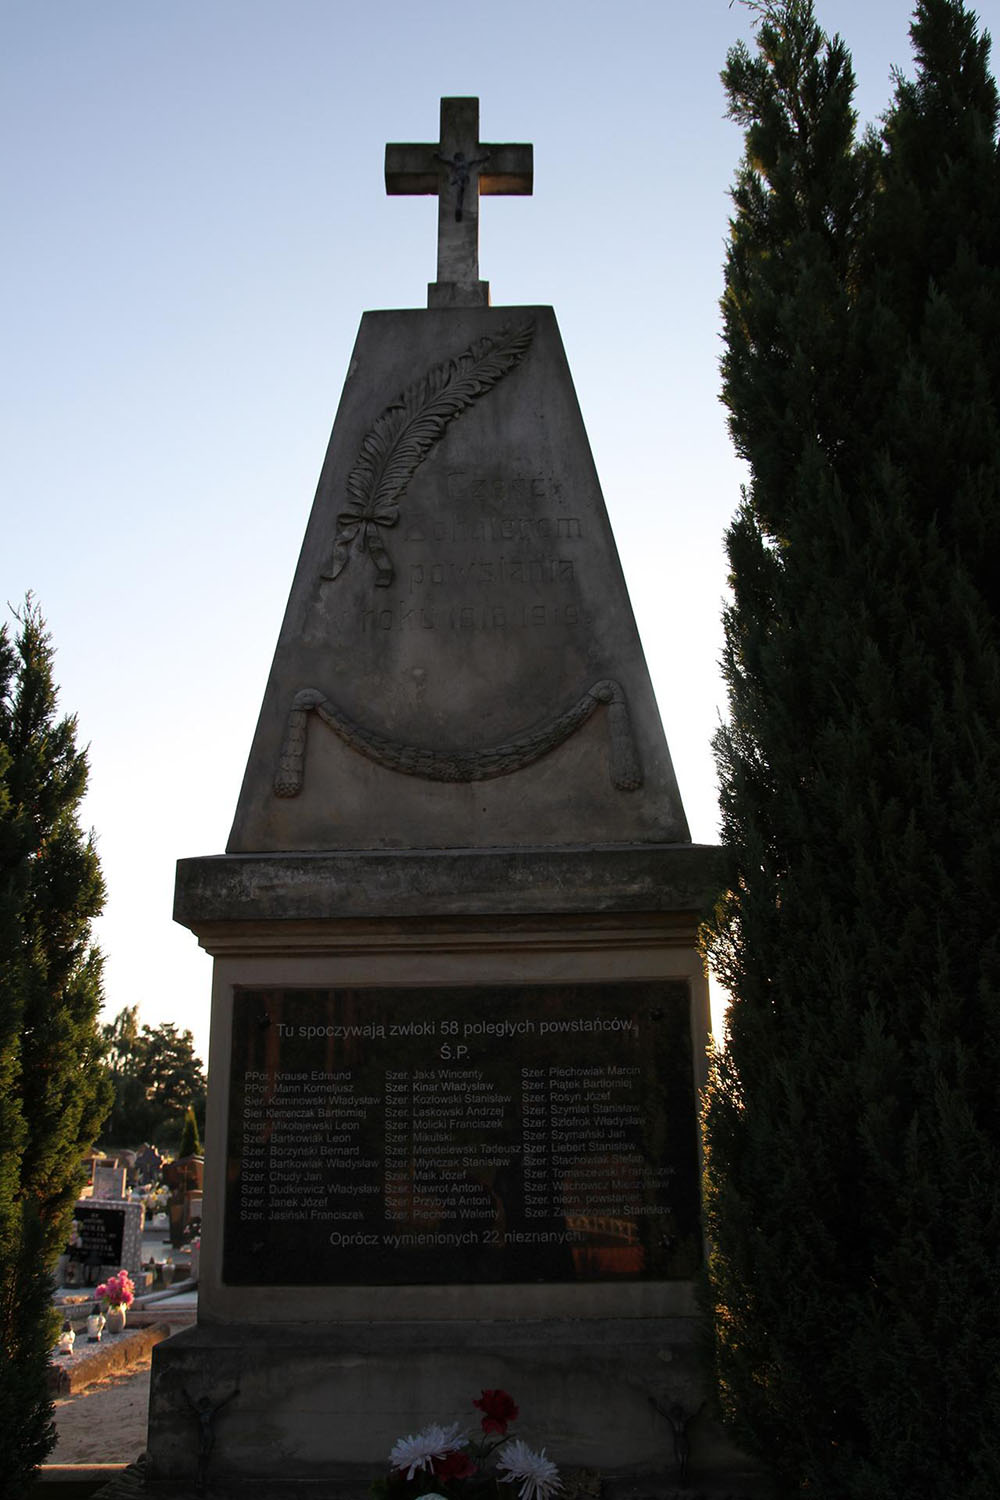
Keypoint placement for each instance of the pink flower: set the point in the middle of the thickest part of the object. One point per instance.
(118, 1290)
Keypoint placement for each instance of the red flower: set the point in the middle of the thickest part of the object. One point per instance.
(454, 1465)
(498, 1409)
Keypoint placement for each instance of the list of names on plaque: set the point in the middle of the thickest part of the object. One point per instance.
(367, 1144)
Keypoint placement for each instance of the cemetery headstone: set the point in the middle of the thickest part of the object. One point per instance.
(148, 1161)
(109, 1180)
(105, 1236)
(458, 1011)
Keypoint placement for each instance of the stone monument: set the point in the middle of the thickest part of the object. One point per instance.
(458, 1013)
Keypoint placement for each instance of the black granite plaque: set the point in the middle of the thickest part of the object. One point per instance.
(489, 1134)
(98, 1236)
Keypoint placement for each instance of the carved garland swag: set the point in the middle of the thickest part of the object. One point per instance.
(459, 765)
(391, 452)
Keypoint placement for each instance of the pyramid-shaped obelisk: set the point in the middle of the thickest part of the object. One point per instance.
(459, 664)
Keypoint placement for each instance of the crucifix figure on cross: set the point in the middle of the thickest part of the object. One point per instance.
(458, 169)
(461, 170)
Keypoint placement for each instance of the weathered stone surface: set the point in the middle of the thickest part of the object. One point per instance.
(455, 959)
(458, 612)
(583, 1388)
(92, 1362)
(435, 882)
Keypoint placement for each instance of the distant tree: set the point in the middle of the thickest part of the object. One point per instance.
(53, 1092)
(190, 1144)
(156, 1076)
(130, 1121)
(852, 1126)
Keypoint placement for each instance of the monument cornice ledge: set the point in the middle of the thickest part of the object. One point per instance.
(468, 938)
(495, 308)
(351, 884)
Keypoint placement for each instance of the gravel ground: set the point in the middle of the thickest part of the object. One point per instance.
(105, 1423)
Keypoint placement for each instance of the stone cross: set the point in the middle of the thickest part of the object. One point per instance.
(458, 169)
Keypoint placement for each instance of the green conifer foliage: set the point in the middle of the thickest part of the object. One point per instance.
(53, 1091)
(156, 1076)
(853, 1147)
(190, 1139)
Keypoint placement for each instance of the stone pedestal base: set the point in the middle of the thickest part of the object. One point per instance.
(324, 1403)
(311, 1384)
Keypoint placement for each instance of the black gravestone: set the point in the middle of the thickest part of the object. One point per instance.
(98, 1237)
(458, 1135)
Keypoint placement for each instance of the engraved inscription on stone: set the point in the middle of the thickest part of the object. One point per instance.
(400, 1136)
(495, 551)
(98, 1235)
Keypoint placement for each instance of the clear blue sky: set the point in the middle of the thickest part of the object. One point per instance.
(195, 219)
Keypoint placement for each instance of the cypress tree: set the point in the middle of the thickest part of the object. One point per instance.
(853, 1184)
(190, 1139)
(53, 1090)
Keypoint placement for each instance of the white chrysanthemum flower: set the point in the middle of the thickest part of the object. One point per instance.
(539, 1476)
(421, 1449)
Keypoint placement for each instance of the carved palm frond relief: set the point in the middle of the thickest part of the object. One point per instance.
(403, 435)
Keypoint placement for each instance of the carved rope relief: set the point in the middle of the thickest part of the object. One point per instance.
(459, 765)
(403, 436)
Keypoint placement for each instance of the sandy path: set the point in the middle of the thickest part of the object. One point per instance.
(106, 1422)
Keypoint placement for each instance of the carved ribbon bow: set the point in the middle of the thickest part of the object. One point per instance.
(359, 524)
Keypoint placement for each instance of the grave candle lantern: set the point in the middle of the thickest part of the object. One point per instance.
(95, 1324)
